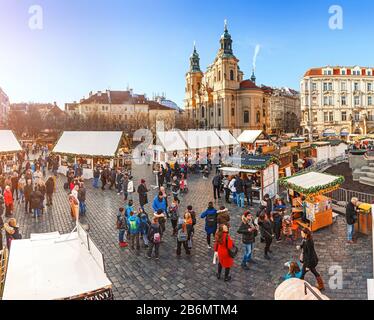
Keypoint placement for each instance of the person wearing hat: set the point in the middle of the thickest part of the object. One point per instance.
(11, 231)
(142, 192)
(248, 229)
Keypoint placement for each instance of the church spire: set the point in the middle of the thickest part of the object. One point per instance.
(226, 41)
(195, 60)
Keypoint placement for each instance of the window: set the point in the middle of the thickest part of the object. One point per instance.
(369, 73)
(343, 86)
(315, 117)
(343, 72)
(356, 73)
(258, 117)
(369, 86)
(246, 116)
(314, 86)
(219, 75)
(325, 100)
(202, 112)
(330, 86)
(356, 116)
(344, 100)
(232, 112)
(331, 116)
(330, 101)
(325, 86)
(231, 75)
(219, 112)
(356, 86)
(325, 116)
(370, 101)
(263, 113)
(344, 115)
(357, 100)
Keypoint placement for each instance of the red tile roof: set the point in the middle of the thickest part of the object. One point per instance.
(153, 105)
(115, 97)
(248, 84)
(336, 71)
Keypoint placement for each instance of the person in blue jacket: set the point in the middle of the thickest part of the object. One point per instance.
(159, 202)
(134, 229)
(210, 216)
(129, 207)
(294, 270)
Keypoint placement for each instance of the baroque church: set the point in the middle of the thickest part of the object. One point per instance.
(219, 97)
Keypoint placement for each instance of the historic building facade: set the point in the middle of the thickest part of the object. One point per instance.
(337, 101)
(285, 113)
(220, 98)
(4, 107)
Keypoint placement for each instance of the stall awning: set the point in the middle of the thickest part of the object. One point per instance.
(47, 267)
(298, 139)
(89, 143)
(312, 182)
(201, 139)
(233, 170)
(9, 142)
(226, 137)
(329, 133)
(249, 136)
(344, 133)
(171, 140)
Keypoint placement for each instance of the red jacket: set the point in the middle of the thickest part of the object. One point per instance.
(223, 254)
(8, 198)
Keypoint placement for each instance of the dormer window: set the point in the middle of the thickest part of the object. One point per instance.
(343, 72)
(369, 72)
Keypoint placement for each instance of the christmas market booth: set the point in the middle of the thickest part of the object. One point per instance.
(264, 171)
(251, 140)
(312, 187)
(54, 266)
(87, 148)
(9, 147)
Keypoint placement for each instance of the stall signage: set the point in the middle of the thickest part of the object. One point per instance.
(101, 294)
(254, 160)
(305, 145)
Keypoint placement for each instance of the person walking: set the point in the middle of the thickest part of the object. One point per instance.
(191, 227)
(175, 187)
(130, 188)
(144, 226)
(222, 246)
(125, 183)
(248, 230)
(50, 188)
(21, 188)
(182, 236)
(226, 188)
(154, 238)
(122, 227)
(134, 230)
(351, 218)
(233, 189)
(96, 177)
(14, 179)
(309, 257)
(239, 186)
(248, 190)
(82, 199)
(210, 216)
(142, 192)
(266, 229)
(36, 199)
(174, 216)
(216, 182)
(28, 191)
(119, 181)
(8, 200)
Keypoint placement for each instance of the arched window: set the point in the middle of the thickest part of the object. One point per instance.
(246, 116)
(232, 112)
(258, 117)
(219, 75)
(231, 75)
(202, 112)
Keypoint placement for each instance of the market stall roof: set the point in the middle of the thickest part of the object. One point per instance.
(298, 139)
(236, 170)
(89, 143)
(320, 143)
(312, 182)
(249, 136)
(251, 162)
(9, 142)
(226, 137)
(47, 267)
(171, 140)
(201, 139)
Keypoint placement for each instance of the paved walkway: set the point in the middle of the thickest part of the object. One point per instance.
(136, 277)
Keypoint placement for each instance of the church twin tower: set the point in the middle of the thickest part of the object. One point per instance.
(219, 98)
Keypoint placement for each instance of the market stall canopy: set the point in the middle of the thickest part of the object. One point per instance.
(89, 143)
(344, 132)
(9, 142)
(201, 139)
(252, 162)
(52, 266)
(249, 136)
(329, 133)
(233, 170)
(171, 140)
(226, 137)
(298, 139)
(312, 183)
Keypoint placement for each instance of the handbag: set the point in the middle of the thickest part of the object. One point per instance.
(233, 251)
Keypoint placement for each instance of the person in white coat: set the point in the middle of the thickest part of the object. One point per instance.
(233, 188)
(130, 189)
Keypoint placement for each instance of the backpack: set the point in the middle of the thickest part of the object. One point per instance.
(156, 237)
(174, 213)
(211, 220)
(133, 226)
(234, 250)
(182, 235)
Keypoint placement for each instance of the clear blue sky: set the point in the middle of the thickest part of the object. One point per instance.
(93, 45)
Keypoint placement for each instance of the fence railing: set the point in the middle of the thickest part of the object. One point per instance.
(341, 197)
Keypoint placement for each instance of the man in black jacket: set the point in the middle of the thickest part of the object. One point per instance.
(217, 180)
(351, 218)
(27, 191)
(248, 229)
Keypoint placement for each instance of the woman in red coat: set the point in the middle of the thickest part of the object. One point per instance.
(8, 200)
(222, 244)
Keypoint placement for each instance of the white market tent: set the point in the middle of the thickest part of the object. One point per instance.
(233, 170)
(226, 137)
(201, 139)
(311, 179)
(53, 266)
(249, 136)
(171, 140)
(89, 143)
(9, 142)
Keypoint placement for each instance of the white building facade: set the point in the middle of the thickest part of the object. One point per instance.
(337, 101)
(4, 108)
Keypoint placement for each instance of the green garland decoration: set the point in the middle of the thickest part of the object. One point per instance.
(273, 159)
(313, 190)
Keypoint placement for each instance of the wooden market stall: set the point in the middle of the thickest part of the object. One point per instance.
(51, 266)
(87, 148)
(248, 139)
(313, 186)
(9, 147)
(266, 173)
